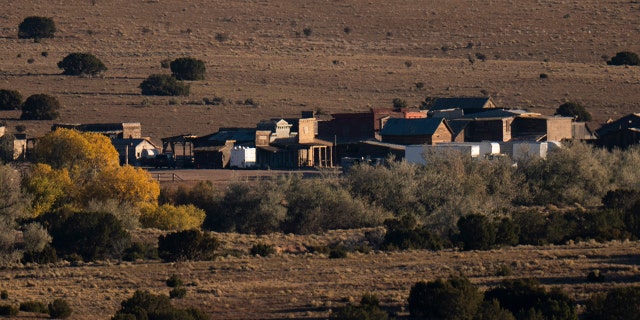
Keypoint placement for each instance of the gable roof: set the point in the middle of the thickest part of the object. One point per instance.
(462, 103)
(628, 122)
(496, 114)
(237, 134)
(130, 142)
(411, 127)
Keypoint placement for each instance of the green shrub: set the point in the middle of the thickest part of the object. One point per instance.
(222, 37)
(47, 255)
(36, 28)
(620, 199)
(188, 69)
(163, 85)
(454, 298)
(8, 310)
(477, 232)
(504, 271)
(215, 101)
(624, 58)
(595, 276)
(34, 306)
(262, 249)
(338, 253)
(533, 226)
(187, 245)
(40, 107)
(144, 305)
(174, 281)
(4, 295)
(307, 31)
(165, 63)
(246, 209)
(10, 100)
(59, 309)
(369, 309)
(507, 232)
(616, 304)
(574, 110)
(399, 103)
(178, 293)
(522, 296)
(317, 205)
(491, 310)
(139, 250)
(76, 64)
(404, 234)
(92, 235)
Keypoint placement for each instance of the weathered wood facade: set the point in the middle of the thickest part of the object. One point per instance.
(416, 131)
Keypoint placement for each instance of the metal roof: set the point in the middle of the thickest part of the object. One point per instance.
(628, 122)
(496, 114)
(459, 103)
(410, 127)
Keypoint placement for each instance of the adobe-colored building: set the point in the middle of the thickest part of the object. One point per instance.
(542, 128)
(416, 131)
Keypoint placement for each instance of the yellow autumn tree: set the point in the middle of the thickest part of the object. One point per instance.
(170, 217)
(72, 150)
(50, 188)
(126, 184)
(91, 164)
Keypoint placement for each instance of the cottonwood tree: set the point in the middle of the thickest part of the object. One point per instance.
(91, 163)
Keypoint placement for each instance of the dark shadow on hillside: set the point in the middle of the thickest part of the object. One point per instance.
(560, 281)
(29, 74)
(626, 259)
(99, 93)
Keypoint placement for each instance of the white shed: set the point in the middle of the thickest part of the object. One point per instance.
(488, 148)
(417, 153)
(242, 157)
(527, 149)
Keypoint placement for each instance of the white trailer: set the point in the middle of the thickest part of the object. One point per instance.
(527, 149)
(419, 154)
(242, 157)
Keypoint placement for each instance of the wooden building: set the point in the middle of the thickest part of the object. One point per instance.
(135, 152)
(416, 131)
(620, 133)
(541, 128)
(131, 130)
(451, 108)
(277, 147)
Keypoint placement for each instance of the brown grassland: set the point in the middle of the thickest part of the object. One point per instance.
(257, 49)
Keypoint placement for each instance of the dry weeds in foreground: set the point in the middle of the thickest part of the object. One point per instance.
(299, 286)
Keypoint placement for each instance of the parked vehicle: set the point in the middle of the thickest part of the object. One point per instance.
(165, 160)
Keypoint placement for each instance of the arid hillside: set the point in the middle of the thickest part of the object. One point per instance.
(357, 54)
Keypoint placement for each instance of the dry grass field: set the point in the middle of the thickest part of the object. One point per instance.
(258, 50)
(309, 286)
(360, 54)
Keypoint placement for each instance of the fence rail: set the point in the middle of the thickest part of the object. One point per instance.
(166, 176)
